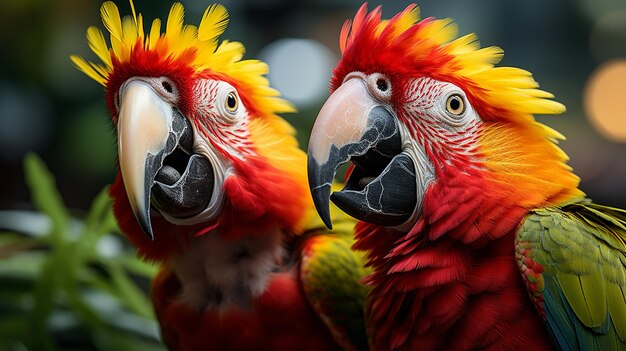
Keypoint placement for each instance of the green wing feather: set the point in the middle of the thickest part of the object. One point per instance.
(580, 285)
(331, 274)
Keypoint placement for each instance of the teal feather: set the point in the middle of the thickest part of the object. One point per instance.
(560, 322)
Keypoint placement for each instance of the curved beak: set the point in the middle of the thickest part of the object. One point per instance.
(149, 129)
(354, 126)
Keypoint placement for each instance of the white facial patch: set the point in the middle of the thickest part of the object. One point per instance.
(223, 125)
(440, 116)
(433, 102)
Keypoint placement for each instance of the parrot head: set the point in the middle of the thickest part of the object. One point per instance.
(200, 146)
(433, 130)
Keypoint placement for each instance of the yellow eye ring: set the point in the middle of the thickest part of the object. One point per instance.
(232, 102)
(455, 104)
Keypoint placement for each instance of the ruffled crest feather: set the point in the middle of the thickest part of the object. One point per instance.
(213, 23)
(431, 47)
(197, 45)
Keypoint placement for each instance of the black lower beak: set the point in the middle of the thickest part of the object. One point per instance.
(381, 188)
(187, 194)
(388, 199)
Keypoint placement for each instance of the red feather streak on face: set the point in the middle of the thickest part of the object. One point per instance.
(258, 196)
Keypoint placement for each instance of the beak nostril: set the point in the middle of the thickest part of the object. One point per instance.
(167, 86)
(379, 86)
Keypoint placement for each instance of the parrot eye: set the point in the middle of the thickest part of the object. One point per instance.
(227, 102)
(455, 105)
(232, 102)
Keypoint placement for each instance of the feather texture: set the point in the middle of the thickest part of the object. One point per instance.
(213, 23)
(98, 45)
(330, 273)
(180, 44)
(583, 258)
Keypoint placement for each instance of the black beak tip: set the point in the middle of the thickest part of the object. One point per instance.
(326, 219)
(319, 184)
(149, 234)
(321, 199)
(146, 227)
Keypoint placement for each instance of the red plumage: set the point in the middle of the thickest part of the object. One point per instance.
(455, 291)
(251, 208)
(172, 239)
(279, 319)
(151, 63)
(451, 303)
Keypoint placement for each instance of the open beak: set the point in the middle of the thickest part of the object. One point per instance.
(354, 126)
(155, 143)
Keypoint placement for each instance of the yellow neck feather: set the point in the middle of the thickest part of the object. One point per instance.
(524, 158)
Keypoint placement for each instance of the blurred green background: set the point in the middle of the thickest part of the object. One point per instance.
(576, 50)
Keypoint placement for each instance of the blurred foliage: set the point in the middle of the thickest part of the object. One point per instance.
(74, 286)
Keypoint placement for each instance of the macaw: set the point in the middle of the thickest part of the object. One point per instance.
(212, 185)
(475, 227)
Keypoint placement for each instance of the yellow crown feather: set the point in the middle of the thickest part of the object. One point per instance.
(179, 39)
(434, 46)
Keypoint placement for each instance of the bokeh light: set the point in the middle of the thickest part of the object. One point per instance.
(300, 69)
(604, 95)
(25, 120)
(594, 9)
(607, 37)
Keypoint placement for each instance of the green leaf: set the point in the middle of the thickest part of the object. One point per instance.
(25, 265)
(95, 281)
(109, 224)
(96, 225)
(106, 339)
(43, 295)
(138, 266)
(37, 286)
(13, 329)
(45, 195)
(128, 292)
(98, 215)
(80, 307)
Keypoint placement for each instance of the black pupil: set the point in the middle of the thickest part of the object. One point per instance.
(230, 101)
(455, 103)
(382, 84)
(167, 86)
